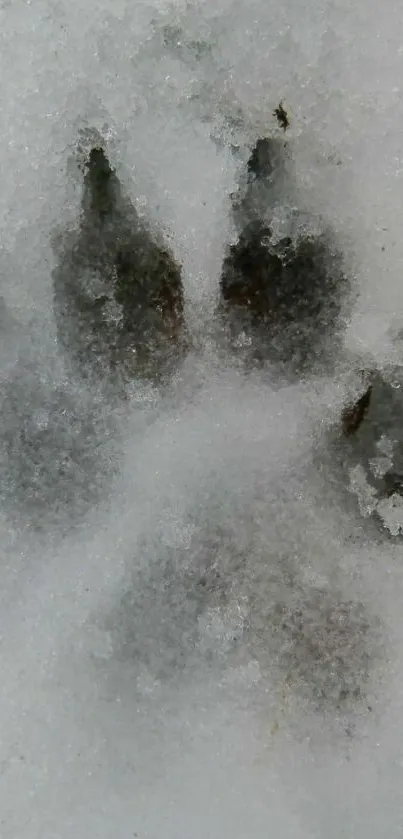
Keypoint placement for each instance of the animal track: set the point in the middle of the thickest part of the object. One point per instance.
(119, 310)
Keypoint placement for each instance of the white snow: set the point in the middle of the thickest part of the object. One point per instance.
(123, 710)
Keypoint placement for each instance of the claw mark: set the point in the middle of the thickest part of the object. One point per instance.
(282, 117)
(353, 415)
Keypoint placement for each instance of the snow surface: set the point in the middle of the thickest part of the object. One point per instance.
(129, 707)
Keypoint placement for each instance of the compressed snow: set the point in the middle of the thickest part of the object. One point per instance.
(150, 686)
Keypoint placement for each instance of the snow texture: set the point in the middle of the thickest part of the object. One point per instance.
(201, 579)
